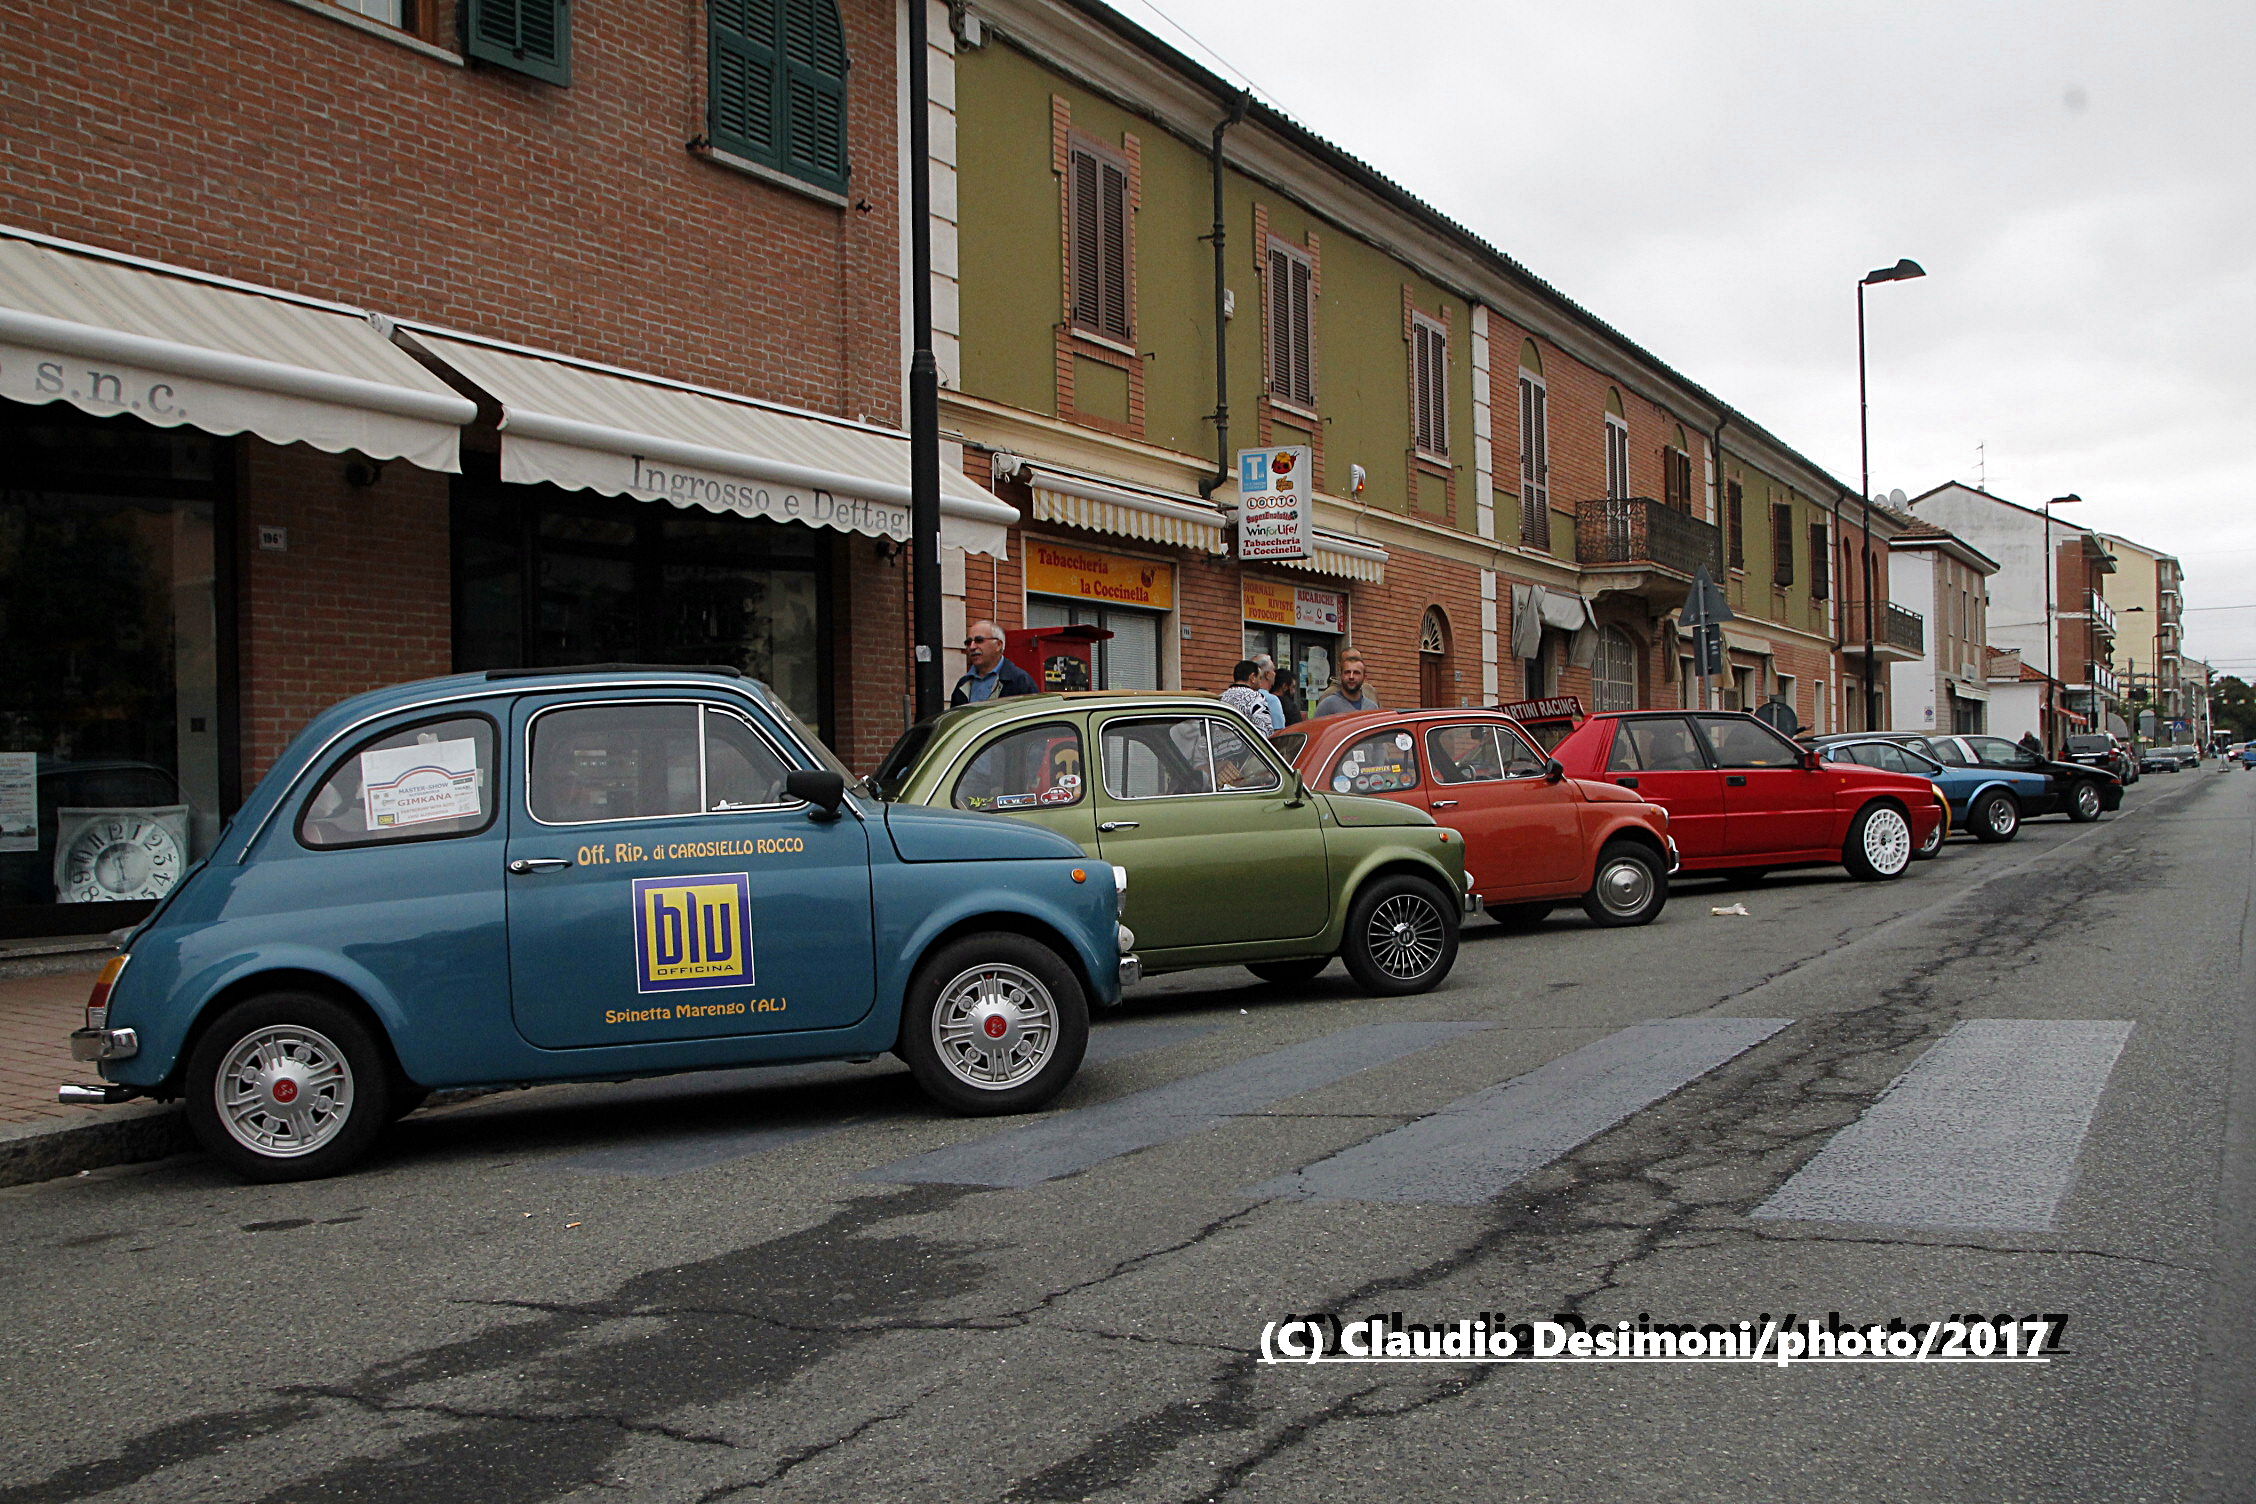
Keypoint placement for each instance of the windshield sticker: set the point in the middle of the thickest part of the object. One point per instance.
(1013, 801)
(416, 784)
(693, 932)
(1402, 740)
(1342, 783)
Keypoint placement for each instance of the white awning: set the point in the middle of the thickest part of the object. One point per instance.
(1338, 554)
(1968, 690)
(587, 427)
(114, 335)
(1078, 499)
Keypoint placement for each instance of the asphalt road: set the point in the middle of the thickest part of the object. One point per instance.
(806, 1285)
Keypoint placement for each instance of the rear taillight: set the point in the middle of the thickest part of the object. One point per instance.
(98, 1001)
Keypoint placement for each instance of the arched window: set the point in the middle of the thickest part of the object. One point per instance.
(1435, 684)
(1614, 675)
(777, 87)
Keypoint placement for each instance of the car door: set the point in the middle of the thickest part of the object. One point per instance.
(662, 886)
(2039, 788)
(1773, 802)
(1036, 772)
(1523, 833)
(1218, 840)
(1658, 756)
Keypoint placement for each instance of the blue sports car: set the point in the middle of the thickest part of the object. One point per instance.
(1986, 802)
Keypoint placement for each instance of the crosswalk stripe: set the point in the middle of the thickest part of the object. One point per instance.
(1478, 1146)
(702, 1148)
(1074, 1141)
(1982, 1131)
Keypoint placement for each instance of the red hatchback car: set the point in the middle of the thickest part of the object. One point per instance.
(1742, 798)
(1533, 837)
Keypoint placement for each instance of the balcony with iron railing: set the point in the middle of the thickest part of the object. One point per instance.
(2099, 676)
(1899, 634)
(2102, 614)
(1643, 547)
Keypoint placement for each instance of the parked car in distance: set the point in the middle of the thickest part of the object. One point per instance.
(1742, 798)
(2189, 755)
(2158, 760)
(1534, 838)
(2104, 751)
(2081, 793)
(1984, 802)
(549, 875)
(1232, 858)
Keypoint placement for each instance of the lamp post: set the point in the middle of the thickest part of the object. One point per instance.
(2052, 627)
(1902, 271)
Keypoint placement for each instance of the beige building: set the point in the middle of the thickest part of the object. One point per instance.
(2147, 593)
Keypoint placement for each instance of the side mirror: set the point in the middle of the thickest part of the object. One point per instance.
(1553, 770)
(1813, 759)
(819, 787)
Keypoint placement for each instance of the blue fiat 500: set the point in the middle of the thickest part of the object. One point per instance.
(553, 875)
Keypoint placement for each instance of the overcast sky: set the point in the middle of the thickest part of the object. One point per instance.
(2078, 179)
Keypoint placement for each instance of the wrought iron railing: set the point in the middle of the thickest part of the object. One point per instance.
(1904, 629)
(1640, 530)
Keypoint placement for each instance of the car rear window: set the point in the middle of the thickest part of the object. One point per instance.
(435, 778)
(1661, 745)
(1384, 762)
(892, 775)
(1030, 767)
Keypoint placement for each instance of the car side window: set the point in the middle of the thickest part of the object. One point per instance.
(1739, 742)
(1238, 767)
(1464, 754)
(1995, 752)
(1384, 762)
(1160, 758)
(1021, 769)
(1847, 754)
(1663, 745)
(593, 763)
(1888, 757)
(431, 779)
(742, 771)
(1521, 759)
(1946, 751)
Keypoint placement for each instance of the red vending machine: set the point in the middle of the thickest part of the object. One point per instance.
(1057, 658)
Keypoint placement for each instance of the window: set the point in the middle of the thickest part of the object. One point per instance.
(1032, 766)
(1997, 752)
(1128, 659)
(1384, 762)
(1735, 514)
(1535, 463)
(1781, 544)
(608, 762)
(777, 88)
(1617, 457)
(1614, 673)
(533, 37)
(1292, 360)
(1948, 751)
(1238, 767)
(1819, 558)
(1739, 742)
(1168, 757)
(1676, 478)
(434, 779)
(1097, 223)
(1664, 745)
(1429, 385)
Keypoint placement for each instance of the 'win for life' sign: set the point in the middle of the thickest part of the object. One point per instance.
(1276, 502)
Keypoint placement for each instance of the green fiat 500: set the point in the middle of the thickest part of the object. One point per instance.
(1232, 859)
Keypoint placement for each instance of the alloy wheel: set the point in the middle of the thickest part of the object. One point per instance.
(1887, 840)
(284, 1091)
(995, 1026)
(1405, 936)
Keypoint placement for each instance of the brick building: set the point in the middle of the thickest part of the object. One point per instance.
(351, 341)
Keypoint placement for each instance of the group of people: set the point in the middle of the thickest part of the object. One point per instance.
(1268, 698)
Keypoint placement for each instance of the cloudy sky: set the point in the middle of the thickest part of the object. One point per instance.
(2078, 179)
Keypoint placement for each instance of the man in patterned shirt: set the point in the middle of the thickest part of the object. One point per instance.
(1245, 696)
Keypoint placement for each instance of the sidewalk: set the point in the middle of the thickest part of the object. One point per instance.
(39, 1137)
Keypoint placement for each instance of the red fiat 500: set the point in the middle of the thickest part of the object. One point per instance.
(1743, 798)
(1533, 837)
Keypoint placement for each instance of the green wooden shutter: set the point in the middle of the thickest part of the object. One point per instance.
(532, 37)
(777, 90)
(742, 97)
(814, 92)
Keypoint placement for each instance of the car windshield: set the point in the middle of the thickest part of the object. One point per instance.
(892, 774)
(800, 730)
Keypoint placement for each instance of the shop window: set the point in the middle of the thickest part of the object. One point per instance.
(1614, 673)
(414, 783)
(532, 37)
(776, 90)
(1128, 659)
(1098, 235)
(1383, 763)
(1033, 767)
(1292, 360)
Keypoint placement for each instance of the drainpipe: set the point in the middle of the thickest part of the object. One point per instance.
(1219, 235)
(1723, 546)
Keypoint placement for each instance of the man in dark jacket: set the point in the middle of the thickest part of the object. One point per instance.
(992, 676)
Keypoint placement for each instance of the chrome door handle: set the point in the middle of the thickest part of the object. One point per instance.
(1109, 826)
(1445, 804)
(526, 864)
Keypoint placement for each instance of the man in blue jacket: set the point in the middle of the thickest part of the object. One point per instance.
(992, 676)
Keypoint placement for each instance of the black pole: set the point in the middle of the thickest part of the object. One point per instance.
(1220, 236)
(924, 382)
(1864, 506)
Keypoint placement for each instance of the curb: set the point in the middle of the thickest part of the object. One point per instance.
(126, 1134)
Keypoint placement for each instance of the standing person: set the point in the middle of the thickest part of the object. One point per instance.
(1267, 684)
(2031, 745)
(1349, 691)
(991, 676)
(1244, 695)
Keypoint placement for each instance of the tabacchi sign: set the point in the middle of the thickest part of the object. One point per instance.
(1276, 511)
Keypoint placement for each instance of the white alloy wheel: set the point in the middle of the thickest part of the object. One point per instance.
(995, 1025)
(1887, 840)
(284, 1091)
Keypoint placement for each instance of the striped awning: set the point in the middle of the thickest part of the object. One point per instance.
(1348, 558)
(1076, 498)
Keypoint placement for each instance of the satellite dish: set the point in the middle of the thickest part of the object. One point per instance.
(1896, 497)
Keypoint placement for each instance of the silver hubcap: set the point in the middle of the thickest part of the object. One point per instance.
(1405, 937)
(284, 1091)
(1625, 886)
(2002, 818)
(995, 1026)
(1934, 842)
(2087, 800)
(1887, 840)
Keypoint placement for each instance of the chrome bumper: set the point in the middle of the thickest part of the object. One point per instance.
(103, 1095)
(1676, 858)
(1131, 970)
(104, 1044)
(1469, 902)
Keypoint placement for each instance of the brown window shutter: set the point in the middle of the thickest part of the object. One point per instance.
(1735, 504)
(1781, 544)
(1304, 330)
(1088, 253)
(1280, 324)
(1115, 201)
(1818, 562)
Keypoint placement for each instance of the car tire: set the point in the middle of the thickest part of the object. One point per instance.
(1520, 916)
(2085, 802)
(287, 1086)
(1401, 936)
(1879, 843)
(1996, 816)
(993, 1023)
(1285, 973)
(1630, 887)
(406, 1097)
(1934, 846)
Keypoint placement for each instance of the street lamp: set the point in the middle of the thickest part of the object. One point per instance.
(1902, 271)
(2052, 628)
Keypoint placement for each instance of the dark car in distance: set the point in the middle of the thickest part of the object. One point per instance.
(2081, 793)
